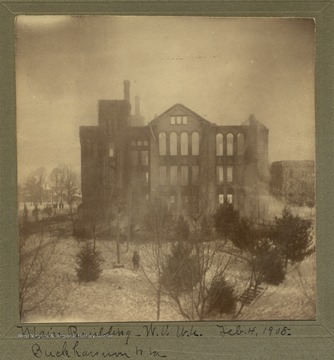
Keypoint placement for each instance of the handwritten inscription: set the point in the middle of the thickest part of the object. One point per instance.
(77, 348)
(74, 332)
(68, 351)
(101, 332)
(152, 330)
(155, 330)
(253, 330)
(165, 330)
(186, 331)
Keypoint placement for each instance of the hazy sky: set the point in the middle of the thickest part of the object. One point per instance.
(222, 68)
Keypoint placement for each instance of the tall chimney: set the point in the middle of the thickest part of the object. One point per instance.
(137, 106)
(126, 90)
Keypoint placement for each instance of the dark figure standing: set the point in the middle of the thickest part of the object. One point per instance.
(135, 260)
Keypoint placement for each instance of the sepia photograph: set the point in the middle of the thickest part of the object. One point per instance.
(166, 168)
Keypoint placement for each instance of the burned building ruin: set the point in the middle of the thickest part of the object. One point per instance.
(192, 164)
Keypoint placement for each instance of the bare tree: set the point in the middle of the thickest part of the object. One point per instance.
(71, 184)
(118, 213)
(64, 181)
(158, 224)
(88, 226)
(111, 216)
(136, 209)
(307, 283)
(34, 186)
(57, 182)
(37, 254)
(197, 264)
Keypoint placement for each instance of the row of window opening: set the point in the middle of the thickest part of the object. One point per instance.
(139, 143)
(184, 144)
(220, 174)
(179, 120)
(179, 175)
(230, 144)
(222, 199)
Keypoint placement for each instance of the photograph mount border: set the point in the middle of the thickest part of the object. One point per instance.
(320, 332)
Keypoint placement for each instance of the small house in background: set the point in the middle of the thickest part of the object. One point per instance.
(293, 182)
(192, 164)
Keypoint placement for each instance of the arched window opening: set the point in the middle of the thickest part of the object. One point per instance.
(229, 139)
(184, 143)
(240, 144)
(173, 143)
(229, 174)
(184, 175)
(173, 175)
(219, 175)
(162, 144)
(219, 145)
(195, 143)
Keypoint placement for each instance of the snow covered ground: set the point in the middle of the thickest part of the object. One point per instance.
(124, 294)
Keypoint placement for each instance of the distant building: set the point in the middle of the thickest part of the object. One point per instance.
(193, 164)
(293, 182)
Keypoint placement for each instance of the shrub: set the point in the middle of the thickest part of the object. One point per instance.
(293, 235)
(273, 269)
(225, 220)
(180, 273)
(221, 297)
(268, 265)
(89, 264)
(245, 235)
